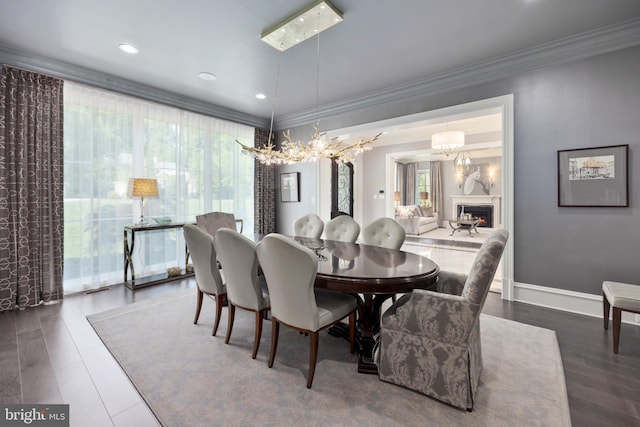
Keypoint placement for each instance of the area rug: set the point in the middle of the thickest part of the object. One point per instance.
(189, 378)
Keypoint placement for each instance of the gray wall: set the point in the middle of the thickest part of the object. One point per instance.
(587, 103)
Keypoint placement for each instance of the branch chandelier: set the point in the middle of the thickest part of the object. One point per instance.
(284, 35)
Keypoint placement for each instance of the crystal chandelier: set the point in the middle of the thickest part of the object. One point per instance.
(298, 151)
(320, 146)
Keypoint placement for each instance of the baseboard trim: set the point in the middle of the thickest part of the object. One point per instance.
(570, 301)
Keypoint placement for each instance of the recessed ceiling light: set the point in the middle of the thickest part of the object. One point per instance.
(261, 96)
(128, 48)
(207, 76)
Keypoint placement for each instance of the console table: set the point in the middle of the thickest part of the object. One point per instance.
(129, 243)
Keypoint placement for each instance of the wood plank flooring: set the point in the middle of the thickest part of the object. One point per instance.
(50, 354)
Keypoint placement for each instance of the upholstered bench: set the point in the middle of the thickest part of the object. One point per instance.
(623, 297)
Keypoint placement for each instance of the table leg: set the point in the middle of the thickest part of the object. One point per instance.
(367, 328)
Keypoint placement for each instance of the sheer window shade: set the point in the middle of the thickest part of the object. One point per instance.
(110, 138)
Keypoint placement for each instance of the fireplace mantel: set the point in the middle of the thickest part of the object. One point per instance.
(477, 200)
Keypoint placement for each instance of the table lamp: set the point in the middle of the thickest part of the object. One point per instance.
(424, 195)
(142, 187)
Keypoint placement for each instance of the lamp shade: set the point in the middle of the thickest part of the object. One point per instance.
(142, 187)
(396, 196)
(424, 195)
(448, 140)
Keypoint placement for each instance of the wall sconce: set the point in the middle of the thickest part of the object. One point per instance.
(491, 175)
(459, 178)
(142, 187)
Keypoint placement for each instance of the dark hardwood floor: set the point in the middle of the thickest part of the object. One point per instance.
(50, 354)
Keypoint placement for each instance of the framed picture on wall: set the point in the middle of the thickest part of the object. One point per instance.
(594, 177)
(290, 187)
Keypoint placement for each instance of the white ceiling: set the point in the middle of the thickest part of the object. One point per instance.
(379, 45)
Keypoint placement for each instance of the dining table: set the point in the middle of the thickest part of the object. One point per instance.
(372, 274)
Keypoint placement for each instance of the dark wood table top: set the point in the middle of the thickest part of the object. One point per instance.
(360, 268)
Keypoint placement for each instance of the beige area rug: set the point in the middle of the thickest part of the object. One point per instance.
(189, 378)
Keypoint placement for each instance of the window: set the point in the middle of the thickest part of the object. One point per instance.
(423, 183)
(110, 138)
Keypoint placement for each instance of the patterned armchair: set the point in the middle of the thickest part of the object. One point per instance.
(430, 341)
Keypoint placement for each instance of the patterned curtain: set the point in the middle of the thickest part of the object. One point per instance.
(436, 189)
(264, 210)
(31, 188)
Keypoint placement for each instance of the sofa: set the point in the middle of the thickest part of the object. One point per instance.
(416, 220)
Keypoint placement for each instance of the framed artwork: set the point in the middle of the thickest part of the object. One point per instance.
(594, 177)
(290, 187)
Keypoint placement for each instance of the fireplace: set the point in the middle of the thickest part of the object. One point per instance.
(482, 212)
(472, 202)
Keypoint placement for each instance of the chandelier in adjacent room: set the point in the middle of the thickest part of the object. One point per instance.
(447, 142)
(298, 27)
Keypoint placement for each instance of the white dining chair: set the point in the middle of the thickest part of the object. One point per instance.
(384, 232)
(342, 228)
(309, 225)
(237, 256)
(208, 278)
(290, 270)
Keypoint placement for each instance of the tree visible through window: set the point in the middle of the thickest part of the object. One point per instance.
(110, 138)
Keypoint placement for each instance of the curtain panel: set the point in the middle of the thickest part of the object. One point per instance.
(436, 190)
(31, 188)
(410, 184)
(264, 189)
(110, 138)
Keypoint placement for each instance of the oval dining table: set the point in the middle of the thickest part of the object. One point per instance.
(373, 274)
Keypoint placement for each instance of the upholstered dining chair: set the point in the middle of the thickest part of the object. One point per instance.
(384, 232)
(342, 228)
(208, 278)
(213, 221)
(309, 225)
(290, 270)
(237, 256)
(430, 341)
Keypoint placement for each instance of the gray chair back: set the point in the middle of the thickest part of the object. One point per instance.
(342, 228)
(384, 232)
(213, 221)
(484, 267)
(309, 225)
(237, 256)
(203, 255)
(290, 270)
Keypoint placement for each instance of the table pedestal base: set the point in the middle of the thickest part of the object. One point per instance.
(367, 328)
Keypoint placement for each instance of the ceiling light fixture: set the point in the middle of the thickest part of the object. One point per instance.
(463, 160)
(128, 48)
(207, 76)
(297, 151)
(261, 96)
(447, 142)
(300, 26)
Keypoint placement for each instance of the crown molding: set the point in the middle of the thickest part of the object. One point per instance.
(110, 82)
(573, 48)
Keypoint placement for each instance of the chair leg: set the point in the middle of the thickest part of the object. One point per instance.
(232, 313)
(198, 306)
(617, 318)
(256, 339)
(606, 307)
(275, 330)
(352, 332)
(313, 356)
(219, 304)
